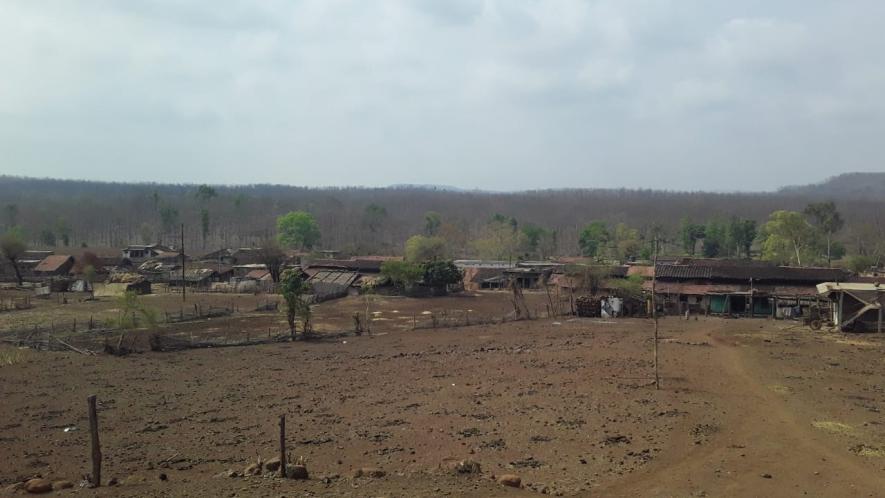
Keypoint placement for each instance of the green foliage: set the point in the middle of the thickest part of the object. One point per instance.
(374, 216)
(440, 274)
(168, 217)
(587, 278)
(741, 234)
(593, 239)
(860, 264)
(627, 287)
(502, 239)
(403, 274)
(133, 312)
(298, 229)
(432, 222)
(827, 221)
(538, 241)
(47, 237)
(627, 243)
(12, 244)
(691, 233)
(204, 223)
(420, 249)
(293, 288)
(204, 193)
(63, 229)
(787, 238)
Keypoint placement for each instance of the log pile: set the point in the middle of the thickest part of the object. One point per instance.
(588, 306)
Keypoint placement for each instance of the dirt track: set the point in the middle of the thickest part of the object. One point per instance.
(568, 407)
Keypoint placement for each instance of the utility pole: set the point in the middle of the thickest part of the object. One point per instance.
(183, 280)
(654, 311)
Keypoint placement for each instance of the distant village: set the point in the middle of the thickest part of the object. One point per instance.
(681, 286)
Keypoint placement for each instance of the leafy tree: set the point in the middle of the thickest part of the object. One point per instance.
(47, 237)
(64, 231)
(715, 239)
(168, 218)
(403, 274)
(502, 239)
(627, 242)
(10, 212)
(741, 234)
(131, 308)
(205, 193)
(691, 234)
(204, 224)
(12, 246)
(146, 233)
(440, 274)
(787, 237)
(860, 264)
(374, 216)
(824, 217)
(432, 222)
(593, 238)
(420, 249)
(293, 289)
(272, 257)
(298, 229)
(538, 241)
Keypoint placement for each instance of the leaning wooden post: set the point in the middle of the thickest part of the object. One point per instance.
(283, 445)
(96, 448)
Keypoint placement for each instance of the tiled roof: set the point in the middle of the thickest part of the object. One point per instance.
(52, 263)
(747, 272)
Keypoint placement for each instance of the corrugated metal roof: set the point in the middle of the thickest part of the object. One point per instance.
(344, 278)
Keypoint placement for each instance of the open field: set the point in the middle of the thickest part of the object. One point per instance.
(747, 408)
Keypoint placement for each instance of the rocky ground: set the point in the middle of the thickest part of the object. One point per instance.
(746, 408)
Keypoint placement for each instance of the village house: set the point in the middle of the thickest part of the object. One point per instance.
(729, 287)
(139, 253)
(54, 266)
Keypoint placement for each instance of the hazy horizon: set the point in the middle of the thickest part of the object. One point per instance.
(492, 95)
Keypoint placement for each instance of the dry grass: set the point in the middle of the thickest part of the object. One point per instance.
(832, 426)
(10, 356)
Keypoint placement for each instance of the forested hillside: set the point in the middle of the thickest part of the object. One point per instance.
(380, 220)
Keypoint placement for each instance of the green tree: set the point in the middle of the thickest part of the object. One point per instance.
(204, 224)
(168, 218)
(374, 216)
(593, 238)
(860, 264)
(403, 274)
(691, 234)
(627, 242)
(502, 239)
(432, 222)
(298, 229)
(10, 212)
(420, 249)
(787, 237)
(741, 234)
(47, 237)
(715, 239)
(205, 193)
(63, 229)
(12, 247)
(824, 217)
(538, 241)
(293, 288)
(440, 274)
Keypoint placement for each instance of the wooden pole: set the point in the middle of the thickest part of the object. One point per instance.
(183, 281)
(283, 445)
(96, 448)
(654, 312)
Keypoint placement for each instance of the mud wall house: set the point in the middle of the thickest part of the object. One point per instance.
(739, 288)
(331, 283)
(139, 253)
(856, 306)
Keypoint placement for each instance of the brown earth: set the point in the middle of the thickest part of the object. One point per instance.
(747, 408)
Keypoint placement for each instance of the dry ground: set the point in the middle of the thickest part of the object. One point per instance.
(747, 408)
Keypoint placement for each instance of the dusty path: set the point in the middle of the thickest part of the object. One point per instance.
(762, 446)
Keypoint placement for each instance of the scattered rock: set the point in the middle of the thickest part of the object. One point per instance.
(510, 480)
(63, 484)
(36, 486)
(164, 477)
(227, 474)
(253, 469)
(766, 476)
(468, 467)
(373, 472)
(296, 472)
(113, 482)
(273, 464)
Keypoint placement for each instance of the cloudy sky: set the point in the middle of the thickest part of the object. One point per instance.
(506, 94)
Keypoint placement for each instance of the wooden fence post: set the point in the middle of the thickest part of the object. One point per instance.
(96, 448)
(283, 445)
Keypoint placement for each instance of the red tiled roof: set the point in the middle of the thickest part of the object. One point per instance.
(52, 263)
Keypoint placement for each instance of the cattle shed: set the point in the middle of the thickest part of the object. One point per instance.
(857, 306)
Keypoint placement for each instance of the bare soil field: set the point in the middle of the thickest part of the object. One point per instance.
(746, 408)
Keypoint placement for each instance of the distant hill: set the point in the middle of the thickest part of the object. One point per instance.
(845, 186)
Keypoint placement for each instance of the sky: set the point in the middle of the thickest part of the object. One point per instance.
(490, 94)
